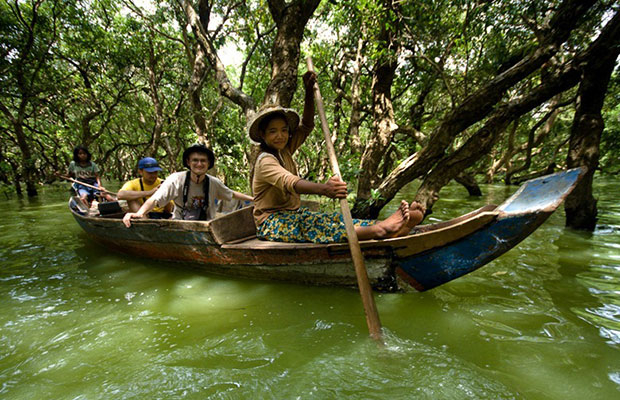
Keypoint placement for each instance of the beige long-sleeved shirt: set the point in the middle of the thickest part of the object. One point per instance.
(274, 184)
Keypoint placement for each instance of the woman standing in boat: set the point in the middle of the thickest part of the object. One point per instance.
(277, 204)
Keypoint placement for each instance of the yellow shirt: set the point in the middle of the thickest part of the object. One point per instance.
(134, 185)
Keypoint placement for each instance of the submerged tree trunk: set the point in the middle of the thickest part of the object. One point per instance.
(475, 108)
(469, 182)
(546, 122)
(27, 57)
(355, 120)
(482, 141)
(585, 138)
(384, 122)
(16, 177)
(28, 162)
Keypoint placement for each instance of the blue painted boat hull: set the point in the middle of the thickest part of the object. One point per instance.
(518, 217)
(438, 266)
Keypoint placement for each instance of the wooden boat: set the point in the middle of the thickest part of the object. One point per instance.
(430, 256)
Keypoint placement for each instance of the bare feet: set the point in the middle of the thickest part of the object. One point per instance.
(416, 215)
(393, 224)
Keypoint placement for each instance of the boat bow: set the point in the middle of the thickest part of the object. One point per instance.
(517, 218)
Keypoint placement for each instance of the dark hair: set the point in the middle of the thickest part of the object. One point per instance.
(77, 149)
(199, 148)
(262, 127)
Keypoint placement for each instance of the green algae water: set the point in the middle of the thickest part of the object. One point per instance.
(80, 322)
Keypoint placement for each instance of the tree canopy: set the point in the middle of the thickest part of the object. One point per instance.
(432, 90)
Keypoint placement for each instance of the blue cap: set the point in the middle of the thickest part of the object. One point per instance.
(149, 164)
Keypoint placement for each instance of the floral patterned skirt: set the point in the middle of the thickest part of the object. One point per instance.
(303, 226)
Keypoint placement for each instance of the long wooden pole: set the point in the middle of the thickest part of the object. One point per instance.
(372, 316)
(86, 184)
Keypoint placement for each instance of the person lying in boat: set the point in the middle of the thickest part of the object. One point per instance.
(277, 188)
(193, 191)
(84, 170)
(137, 191)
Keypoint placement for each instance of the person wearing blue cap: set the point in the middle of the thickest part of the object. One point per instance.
(137, 191)
(193, 191)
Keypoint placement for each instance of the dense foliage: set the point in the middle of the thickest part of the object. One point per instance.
(126, 81)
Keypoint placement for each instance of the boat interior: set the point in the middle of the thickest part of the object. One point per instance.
(237, 230)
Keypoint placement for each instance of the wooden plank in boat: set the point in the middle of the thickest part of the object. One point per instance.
(257, 244)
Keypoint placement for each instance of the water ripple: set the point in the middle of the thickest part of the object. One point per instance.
(540, 322)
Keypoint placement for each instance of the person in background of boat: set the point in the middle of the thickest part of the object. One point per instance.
(193, 191)
(277, 204)
(137, 191)
(85, 170)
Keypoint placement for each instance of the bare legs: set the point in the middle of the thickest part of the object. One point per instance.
(389, 227)
(398, 224)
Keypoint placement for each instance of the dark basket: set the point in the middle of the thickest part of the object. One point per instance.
(110, 207)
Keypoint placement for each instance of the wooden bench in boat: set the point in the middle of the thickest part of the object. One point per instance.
(238, 226)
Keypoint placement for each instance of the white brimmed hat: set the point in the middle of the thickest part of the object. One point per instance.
(291, 115)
